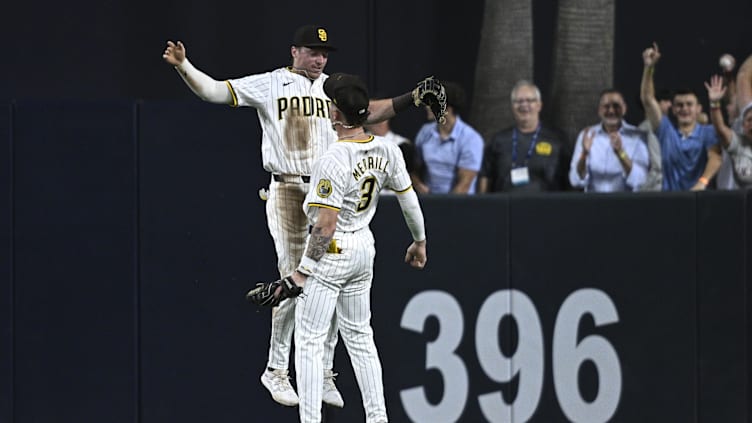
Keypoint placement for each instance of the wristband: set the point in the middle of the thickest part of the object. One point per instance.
(703, 180)
(402, 102)
(307, 266)
(715, 104)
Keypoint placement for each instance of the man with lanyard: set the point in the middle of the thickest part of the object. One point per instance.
(543, 166)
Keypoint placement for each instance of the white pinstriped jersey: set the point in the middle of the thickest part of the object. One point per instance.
(349, 177)
(294, 116)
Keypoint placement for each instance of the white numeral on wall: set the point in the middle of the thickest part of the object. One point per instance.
(526, 362)
(440, 355)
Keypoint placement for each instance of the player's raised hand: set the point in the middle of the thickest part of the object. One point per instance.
(716, 90)
(651, 55)
(174, 54)
(416, 254)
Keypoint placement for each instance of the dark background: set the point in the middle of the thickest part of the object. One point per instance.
(112, 49)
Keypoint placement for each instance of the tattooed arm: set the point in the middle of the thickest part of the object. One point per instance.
(321, 235)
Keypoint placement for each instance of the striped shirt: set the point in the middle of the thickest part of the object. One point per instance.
(294, 116)
(349, 177)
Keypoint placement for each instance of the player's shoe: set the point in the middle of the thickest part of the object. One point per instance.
(331, 394)
(278, 384)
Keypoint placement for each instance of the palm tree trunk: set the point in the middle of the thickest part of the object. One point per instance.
(505, 55)
(583, 62)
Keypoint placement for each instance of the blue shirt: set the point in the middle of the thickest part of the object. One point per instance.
(462, 149)
(683, 158)
(603, 169)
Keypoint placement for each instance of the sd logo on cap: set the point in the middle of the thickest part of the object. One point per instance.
(312, 36)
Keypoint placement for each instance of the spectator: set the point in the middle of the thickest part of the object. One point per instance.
(448, 156)
(743, 93)
(611, 156)
(738, 143)
(690, 153)
(527, 156)
(725, 179)
(654, 180)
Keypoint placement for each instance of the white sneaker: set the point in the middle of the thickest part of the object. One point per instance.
(331, 394)
(278, 384)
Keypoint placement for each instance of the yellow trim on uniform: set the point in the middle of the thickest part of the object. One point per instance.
(232, 93)
(410, 187)
(325, 206)
(295, 71)
(358, 141)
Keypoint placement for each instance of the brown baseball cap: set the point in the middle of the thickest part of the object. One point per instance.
(350, 94)
(312, 36)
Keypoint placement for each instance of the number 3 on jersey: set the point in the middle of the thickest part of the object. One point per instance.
(366, 192)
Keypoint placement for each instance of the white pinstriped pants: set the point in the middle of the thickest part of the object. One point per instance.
(288, 226)
(341, 286)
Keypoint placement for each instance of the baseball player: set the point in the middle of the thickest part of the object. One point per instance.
(294, 115)
(337, 269)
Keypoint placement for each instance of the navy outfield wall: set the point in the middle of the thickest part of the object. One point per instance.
(6, 286)
(73, 271)
(613, 308)
(203, 238)
(722, 258)
(138, 228)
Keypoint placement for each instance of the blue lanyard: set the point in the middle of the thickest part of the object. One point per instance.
(529, 150)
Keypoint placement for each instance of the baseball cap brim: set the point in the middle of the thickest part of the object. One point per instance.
(320, 46)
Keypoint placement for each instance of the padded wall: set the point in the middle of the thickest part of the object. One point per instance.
(74, 192)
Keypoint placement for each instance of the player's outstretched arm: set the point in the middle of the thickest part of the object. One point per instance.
(429, 92)
(204, 86)
(380, 110)
(416, 252)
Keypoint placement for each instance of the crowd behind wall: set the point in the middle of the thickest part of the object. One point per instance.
(113, 51)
